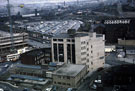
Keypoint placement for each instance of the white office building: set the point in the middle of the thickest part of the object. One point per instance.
(79, 48)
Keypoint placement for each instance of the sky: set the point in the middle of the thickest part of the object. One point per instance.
(34, 1)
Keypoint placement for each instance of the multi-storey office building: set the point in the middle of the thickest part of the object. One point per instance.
(19, 41)
(79, 48)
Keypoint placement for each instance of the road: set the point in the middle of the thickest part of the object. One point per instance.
(9, 87)
(111, 59)
(89, 81)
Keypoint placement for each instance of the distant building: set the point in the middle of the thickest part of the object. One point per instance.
(28, 70)
(69, 75)
(44, 30)
(119, 76)
(43, 71)
(19, 41)
(36, 57)
(114, 29)
(79, 48)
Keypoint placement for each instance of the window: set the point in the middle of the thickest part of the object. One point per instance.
(68, 84)
(91, 46)
(83, 42)
(61, 52)
(87, 49)
(83, 47)
(68, 40)
(91, 51)
(54, 39)
(83, 59)
(83, 53)
(68, 77)
(59, 77)
(87, 60)
(87, 54)
(59, 82)
(55, 52)
(73, 40)
(92, 63)
(64, 83)
(60, 40)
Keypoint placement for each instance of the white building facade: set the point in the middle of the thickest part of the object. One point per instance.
(79, 48)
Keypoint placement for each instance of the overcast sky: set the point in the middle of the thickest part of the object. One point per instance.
(34, 1)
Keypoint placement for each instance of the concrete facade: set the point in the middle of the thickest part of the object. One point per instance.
(19, 40)
(84, 48)
(69, 75)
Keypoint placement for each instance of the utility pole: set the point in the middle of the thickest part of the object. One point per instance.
(11, 27)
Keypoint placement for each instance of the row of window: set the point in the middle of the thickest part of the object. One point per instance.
(83, 53)
(83, 42)
(61, 40)
(83, 59)
(60, 83)
(84, 47)
(64, 77)
(30, 74)
(101, 57)
(70, 40)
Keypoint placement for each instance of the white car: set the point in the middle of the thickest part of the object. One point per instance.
(94, 86)
(48, 89)
(1, 89)
(98, 81)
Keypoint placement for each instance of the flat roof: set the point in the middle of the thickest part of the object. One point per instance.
(27, 77)
(4, 34)
(53, 27)
(66, 35)
(38, 44)
(69, 70)
(28, 66)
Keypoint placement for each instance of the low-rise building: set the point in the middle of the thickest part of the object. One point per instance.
(36, 57)
(69, 75)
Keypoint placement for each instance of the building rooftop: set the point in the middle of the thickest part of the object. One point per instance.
(53, 27)
(69, 70)
(35, 53)
(28, 66)
(4, 34)
(37, 44)
(66, 35)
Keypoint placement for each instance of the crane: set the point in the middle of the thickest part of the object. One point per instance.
(11, 25)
